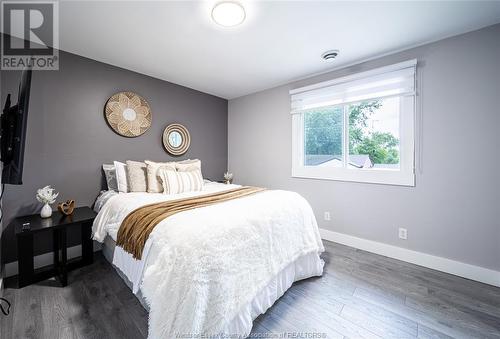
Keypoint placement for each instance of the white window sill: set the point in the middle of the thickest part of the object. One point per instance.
(373, 176)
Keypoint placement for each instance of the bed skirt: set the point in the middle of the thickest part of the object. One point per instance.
(306, 266)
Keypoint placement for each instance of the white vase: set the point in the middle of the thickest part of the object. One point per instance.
(46, 211)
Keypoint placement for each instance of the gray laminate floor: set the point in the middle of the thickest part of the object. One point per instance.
(361, 295)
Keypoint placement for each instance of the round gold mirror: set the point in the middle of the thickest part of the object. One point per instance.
(176, 139)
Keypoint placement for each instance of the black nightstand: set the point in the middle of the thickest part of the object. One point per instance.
(58, 223)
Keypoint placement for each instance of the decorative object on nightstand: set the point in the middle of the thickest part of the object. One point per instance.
(46, 196)
(128, 114)
(228, 178)
(67, 207)
(176, 139)
(28, 226)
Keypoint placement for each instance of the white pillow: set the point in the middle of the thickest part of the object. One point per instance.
(110, 174)
(153, 178)
(121, 176)
(136, 176)
(175, 182)
(188, 165)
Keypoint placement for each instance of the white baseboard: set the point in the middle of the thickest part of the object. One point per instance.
(47, 259)
(461, 269)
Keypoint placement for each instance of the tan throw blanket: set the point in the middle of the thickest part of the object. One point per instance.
(138, 225)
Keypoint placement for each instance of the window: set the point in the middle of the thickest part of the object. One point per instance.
(357, 128)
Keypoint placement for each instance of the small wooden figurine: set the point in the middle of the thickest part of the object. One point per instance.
(67, 207)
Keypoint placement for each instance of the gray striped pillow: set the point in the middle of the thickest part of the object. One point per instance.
(174, 182)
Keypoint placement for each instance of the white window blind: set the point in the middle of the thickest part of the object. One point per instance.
(394, 80)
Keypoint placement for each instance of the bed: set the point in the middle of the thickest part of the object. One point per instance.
(212, 270)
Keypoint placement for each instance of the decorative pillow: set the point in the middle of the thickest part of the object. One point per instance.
(175, 182)
(136, 176)
(121, 176)
(110, 174)
(188, 165)
(153, 178)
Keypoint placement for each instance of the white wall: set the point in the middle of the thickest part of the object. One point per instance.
(454, 210)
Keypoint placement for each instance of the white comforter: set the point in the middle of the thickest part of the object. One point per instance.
(204, 265)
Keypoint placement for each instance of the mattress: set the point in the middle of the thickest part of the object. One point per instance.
(304, 267)
(108, 250)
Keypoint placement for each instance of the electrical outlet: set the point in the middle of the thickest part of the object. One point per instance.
(403, 233)
(327, 216)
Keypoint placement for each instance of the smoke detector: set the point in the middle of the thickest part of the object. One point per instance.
(330, 55)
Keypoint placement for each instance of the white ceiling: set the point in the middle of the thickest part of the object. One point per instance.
(279, 42)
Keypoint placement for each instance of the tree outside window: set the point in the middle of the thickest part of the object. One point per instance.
(373, 128)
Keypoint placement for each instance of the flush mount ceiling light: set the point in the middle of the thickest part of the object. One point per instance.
(330, 55)
(228, 13)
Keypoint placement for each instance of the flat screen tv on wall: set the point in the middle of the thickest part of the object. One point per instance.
(13, 132)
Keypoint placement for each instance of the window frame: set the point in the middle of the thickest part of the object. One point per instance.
(404, 176)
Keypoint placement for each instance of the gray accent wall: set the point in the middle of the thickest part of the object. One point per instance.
(454, 210)
(68, 137)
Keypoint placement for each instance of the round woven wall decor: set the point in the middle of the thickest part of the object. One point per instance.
(176, 139)
(128, 114)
